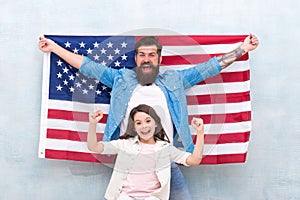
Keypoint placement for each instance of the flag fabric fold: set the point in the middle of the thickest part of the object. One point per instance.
(223, 101)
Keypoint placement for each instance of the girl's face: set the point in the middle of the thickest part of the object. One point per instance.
(145, 126)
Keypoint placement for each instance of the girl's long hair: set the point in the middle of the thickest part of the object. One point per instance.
(159, 131)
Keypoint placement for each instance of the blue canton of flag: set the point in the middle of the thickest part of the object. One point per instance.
(67, 83)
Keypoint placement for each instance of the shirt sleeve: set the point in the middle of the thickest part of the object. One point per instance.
(112, 147)
(179, 156)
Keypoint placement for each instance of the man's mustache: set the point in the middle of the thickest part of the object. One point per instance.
(147, 63)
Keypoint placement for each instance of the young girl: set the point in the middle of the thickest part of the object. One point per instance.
(142, 167)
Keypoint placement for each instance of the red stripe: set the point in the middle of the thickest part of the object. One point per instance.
(186, 40)
(224, 118)
(208, 119)
(78, 156)
(228, 77)
(70, 135)
(225, 138)
(218, 98)
(223, 159)
(88, 157)
(71, 115)
(192, 59)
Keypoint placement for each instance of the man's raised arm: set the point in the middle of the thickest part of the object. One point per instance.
(250, 43)
(47, 45)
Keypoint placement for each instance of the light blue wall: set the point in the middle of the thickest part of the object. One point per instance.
(272, 167)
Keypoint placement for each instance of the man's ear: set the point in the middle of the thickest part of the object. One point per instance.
(160, 59)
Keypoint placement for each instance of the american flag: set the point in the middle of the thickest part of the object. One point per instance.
(223, 101)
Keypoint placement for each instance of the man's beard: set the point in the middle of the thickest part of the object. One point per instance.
(146, 78)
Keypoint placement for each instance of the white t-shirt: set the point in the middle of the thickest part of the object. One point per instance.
(153, 96)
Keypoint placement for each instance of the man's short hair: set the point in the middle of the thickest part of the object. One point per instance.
(148, 41)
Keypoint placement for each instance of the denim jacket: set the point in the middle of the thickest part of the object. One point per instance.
(173, 84)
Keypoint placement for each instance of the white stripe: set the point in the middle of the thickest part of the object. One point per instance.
(199, 49)
(72, 125)
(192, 109)
(66, 145)
(237, 66)
(229, 148)
(209, 149)
(77, 106)
(219, 88)
(219, 108)
(225, 128)
(222, 128)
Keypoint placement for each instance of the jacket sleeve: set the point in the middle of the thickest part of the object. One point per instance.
(200, 72)
(102, 73)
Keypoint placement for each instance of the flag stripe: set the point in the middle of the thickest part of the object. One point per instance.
(218, 98)
(87, 157)
(208, 118)
(222, 128)
(209, 149)
(209, 138)
(192, 59)
(186, 40)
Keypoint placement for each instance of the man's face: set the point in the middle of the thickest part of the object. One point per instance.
(147, 61)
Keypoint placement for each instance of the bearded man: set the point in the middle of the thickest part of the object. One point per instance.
(165, 92)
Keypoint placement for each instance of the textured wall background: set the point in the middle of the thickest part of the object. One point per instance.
(272, 167)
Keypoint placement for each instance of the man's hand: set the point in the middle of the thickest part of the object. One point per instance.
(46, 45)
(250, 43)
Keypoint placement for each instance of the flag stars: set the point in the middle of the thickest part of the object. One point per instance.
(65, 82)
(59, 63)
(96, 57)
(124, 57)
(98, 92)
(104, 87)
(66, 70)
(75, 51)
(103, 63)
(59, 87)
(117, 64)
(103, 51)
(59, 75)
(110, 57)
(91, 87)
(78, 85)
(117, 51)
(71, 77)
(89, 51)
(67, 44)
(83, 81)
(82, 45)
(123, 44)
(71, 89)
(96, 44)
(85, 91)
(110, 45)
